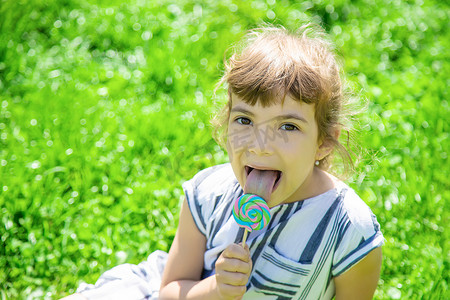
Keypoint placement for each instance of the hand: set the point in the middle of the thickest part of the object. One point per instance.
(233, 268)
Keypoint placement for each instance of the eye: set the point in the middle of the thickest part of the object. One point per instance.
(243, 121)
(289, 127)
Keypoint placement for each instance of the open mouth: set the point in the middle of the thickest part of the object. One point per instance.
(279, 174)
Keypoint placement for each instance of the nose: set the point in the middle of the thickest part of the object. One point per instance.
(260, 144)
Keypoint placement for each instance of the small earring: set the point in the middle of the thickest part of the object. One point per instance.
(317, 163)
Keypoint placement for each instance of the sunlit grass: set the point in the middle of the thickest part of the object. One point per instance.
(105, 111)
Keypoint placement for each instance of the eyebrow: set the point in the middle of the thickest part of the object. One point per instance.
(280, 117)
(292, 116)
(242, 110)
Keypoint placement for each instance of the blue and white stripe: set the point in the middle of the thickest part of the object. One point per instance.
(296, 256)
(305, 245)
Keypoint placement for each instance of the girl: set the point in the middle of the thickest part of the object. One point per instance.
(281, 125)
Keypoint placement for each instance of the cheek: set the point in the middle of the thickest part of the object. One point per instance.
(229, 138)
(300, 149)
(239, 139)
(231, 155)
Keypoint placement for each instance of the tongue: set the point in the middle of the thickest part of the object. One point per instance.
(261, 183)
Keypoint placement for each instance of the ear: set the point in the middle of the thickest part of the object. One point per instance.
(326, 146)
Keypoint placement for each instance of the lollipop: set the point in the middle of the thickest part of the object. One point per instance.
(251, 212)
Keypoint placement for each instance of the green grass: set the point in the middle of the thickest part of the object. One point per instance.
(105, 107)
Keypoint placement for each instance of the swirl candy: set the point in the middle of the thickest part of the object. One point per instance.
(251, 212)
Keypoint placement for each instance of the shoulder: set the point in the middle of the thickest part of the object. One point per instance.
(213, 179)
(207, 191)
(358, 212)
(360, 232)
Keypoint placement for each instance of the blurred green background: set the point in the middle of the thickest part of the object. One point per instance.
(105, 109)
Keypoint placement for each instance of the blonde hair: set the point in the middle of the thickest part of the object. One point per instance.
(271, 62)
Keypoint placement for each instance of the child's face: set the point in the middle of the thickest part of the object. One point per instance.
(282, 137)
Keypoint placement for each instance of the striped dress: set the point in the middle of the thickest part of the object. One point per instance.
(296, 256)
(305, 245)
